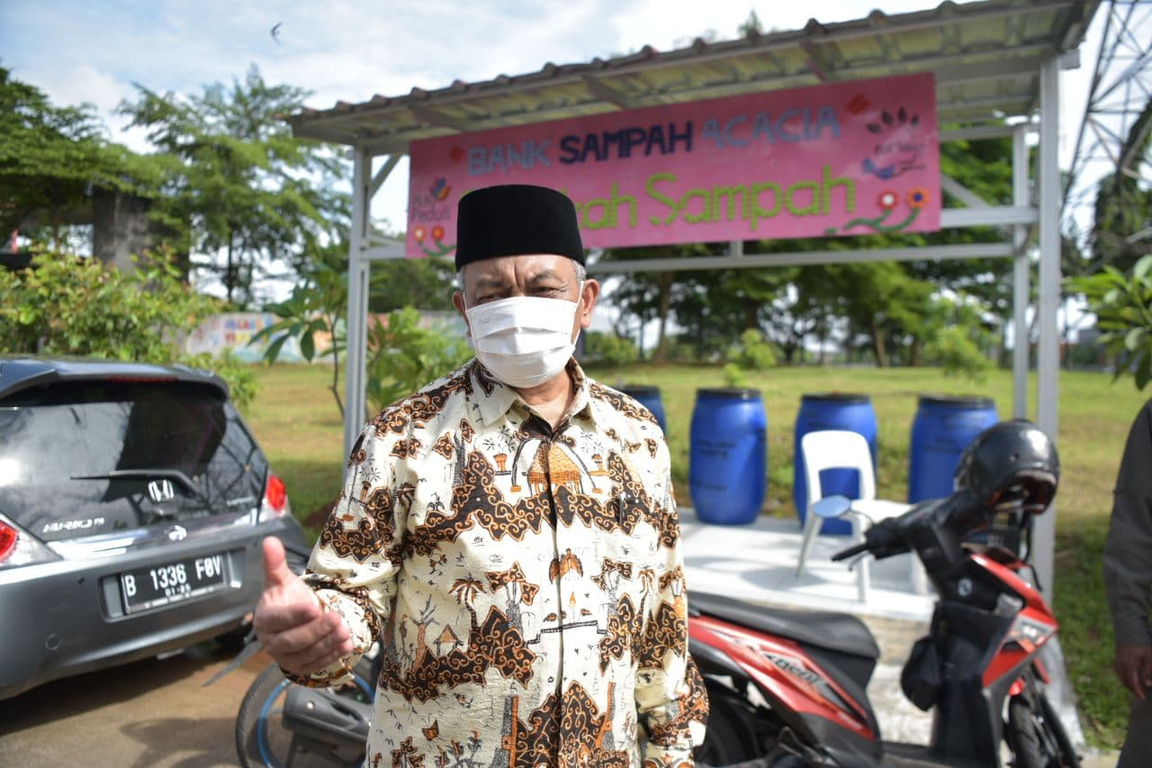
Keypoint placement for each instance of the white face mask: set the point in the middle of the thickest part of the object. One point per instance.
(524, 340)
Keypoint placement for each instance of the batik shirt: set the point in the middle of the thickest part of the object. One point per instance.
(527, 583)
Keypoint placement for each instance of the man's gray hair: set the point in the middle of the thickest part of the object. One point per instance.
(581, 274)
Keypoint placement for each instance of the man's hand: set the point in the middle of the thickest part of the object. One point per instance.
(1133, 665)
(292, 627)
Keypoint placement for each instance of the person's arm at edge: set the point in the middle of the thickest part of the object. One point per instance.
(1128, 557)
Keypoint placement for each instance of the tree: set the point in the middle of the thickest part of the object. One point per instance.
(652, 295)
(422, 283)
(51, 160)
(249, 197)
(1123, 308)
(881, 300)
(404, 355)
(609, 349)
(313, 310)
(466, 590)
(751, 26)
(957, 336)
(804, 308)
(638, 297)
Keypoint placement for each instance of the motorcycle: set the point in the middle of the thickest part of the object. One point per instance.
(787, 688)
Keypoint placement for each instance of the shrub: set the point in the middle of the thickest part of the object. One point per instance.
(63, 304)
(735, 376)
(753, 353)
(404, 356)
(609, 349)
(958, 354)
(1123, 308)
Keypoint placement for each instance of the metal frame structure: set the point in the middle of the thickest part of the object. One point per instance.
(993, 61)
(1118, 115)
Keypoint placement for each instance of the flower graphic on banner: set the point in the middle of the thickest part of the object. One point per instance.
(437, 247)
(887, 201)
(430, 206)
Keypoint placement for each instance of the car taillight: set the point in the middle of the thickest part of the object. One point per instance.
(275, 502)
(18, 548)
(8, 537)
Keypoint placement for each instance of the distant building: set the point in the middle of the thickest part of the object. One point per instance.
(121, 229)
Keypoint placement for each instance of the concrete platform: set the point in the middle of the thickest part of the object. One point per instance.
(757, 562)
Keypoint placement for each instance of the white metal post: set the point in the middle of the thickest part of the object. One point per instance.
(1048, 357)
(1021, 282)
(357, 324)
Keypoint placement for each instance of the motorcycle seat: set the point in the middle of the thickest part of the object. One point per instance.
(839, 632)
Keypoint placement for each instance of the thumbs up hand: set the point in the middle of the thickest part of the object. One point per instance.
(297, 633)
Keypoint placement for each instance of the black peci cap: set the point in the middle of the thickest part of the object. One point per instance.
(513, 220)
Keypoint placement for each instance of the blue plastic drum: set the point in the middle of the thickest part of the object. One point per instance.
(941, 431)
(850, 412)
(649, 397)
(727, 460)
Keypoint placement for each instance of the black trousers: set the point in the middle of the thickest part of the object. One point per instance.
(1137, 752)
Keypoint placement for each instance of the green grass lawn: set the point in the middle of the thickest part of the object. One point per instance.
(296, 420)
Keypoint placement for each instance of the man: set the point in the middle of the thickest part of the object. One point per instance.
(1128, 582)
(511, 532)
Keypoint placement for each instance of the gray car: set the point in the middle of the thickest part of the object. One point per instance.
(133, 503)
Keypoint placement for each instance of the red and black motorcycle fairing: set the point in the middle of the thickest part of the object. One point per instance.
(982, 602)
(1033, 626)
(811, 669)
(987, 628)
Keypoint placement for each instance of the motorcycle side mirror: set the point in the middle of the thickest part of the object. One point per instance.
(831, 507)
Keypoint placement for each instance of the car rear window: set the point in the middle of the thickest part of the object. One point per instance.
(84, 458)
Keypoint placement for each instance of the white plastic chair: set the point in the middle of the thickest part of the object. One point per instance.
(841, 449)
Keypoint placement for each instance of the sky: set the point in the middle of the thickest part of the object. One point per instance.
(83, 51)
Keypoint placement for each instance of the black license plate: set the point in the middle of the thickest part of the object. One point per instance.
(152, 587)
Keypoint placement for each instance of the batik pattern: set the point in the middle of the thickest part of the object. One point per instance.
(527, 582)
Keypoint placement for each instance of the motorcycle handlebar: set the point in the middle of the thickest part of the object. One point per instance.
(934, 524)
(882, 540)
(844, 554)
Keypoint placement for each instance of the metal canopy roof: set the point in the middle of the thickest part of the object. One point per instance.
(986, 56)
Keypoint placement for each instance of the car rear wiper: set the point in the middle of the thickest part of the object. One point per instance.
(144, 474)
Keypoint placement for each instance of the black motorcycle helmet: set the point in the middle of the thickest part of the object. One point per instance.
(1010, 467)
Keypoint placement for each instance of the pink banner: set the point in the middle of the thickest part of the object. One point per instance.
(848, 158)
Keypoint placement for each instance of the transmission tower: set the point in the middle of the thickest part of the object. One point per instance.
(1113, 138)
